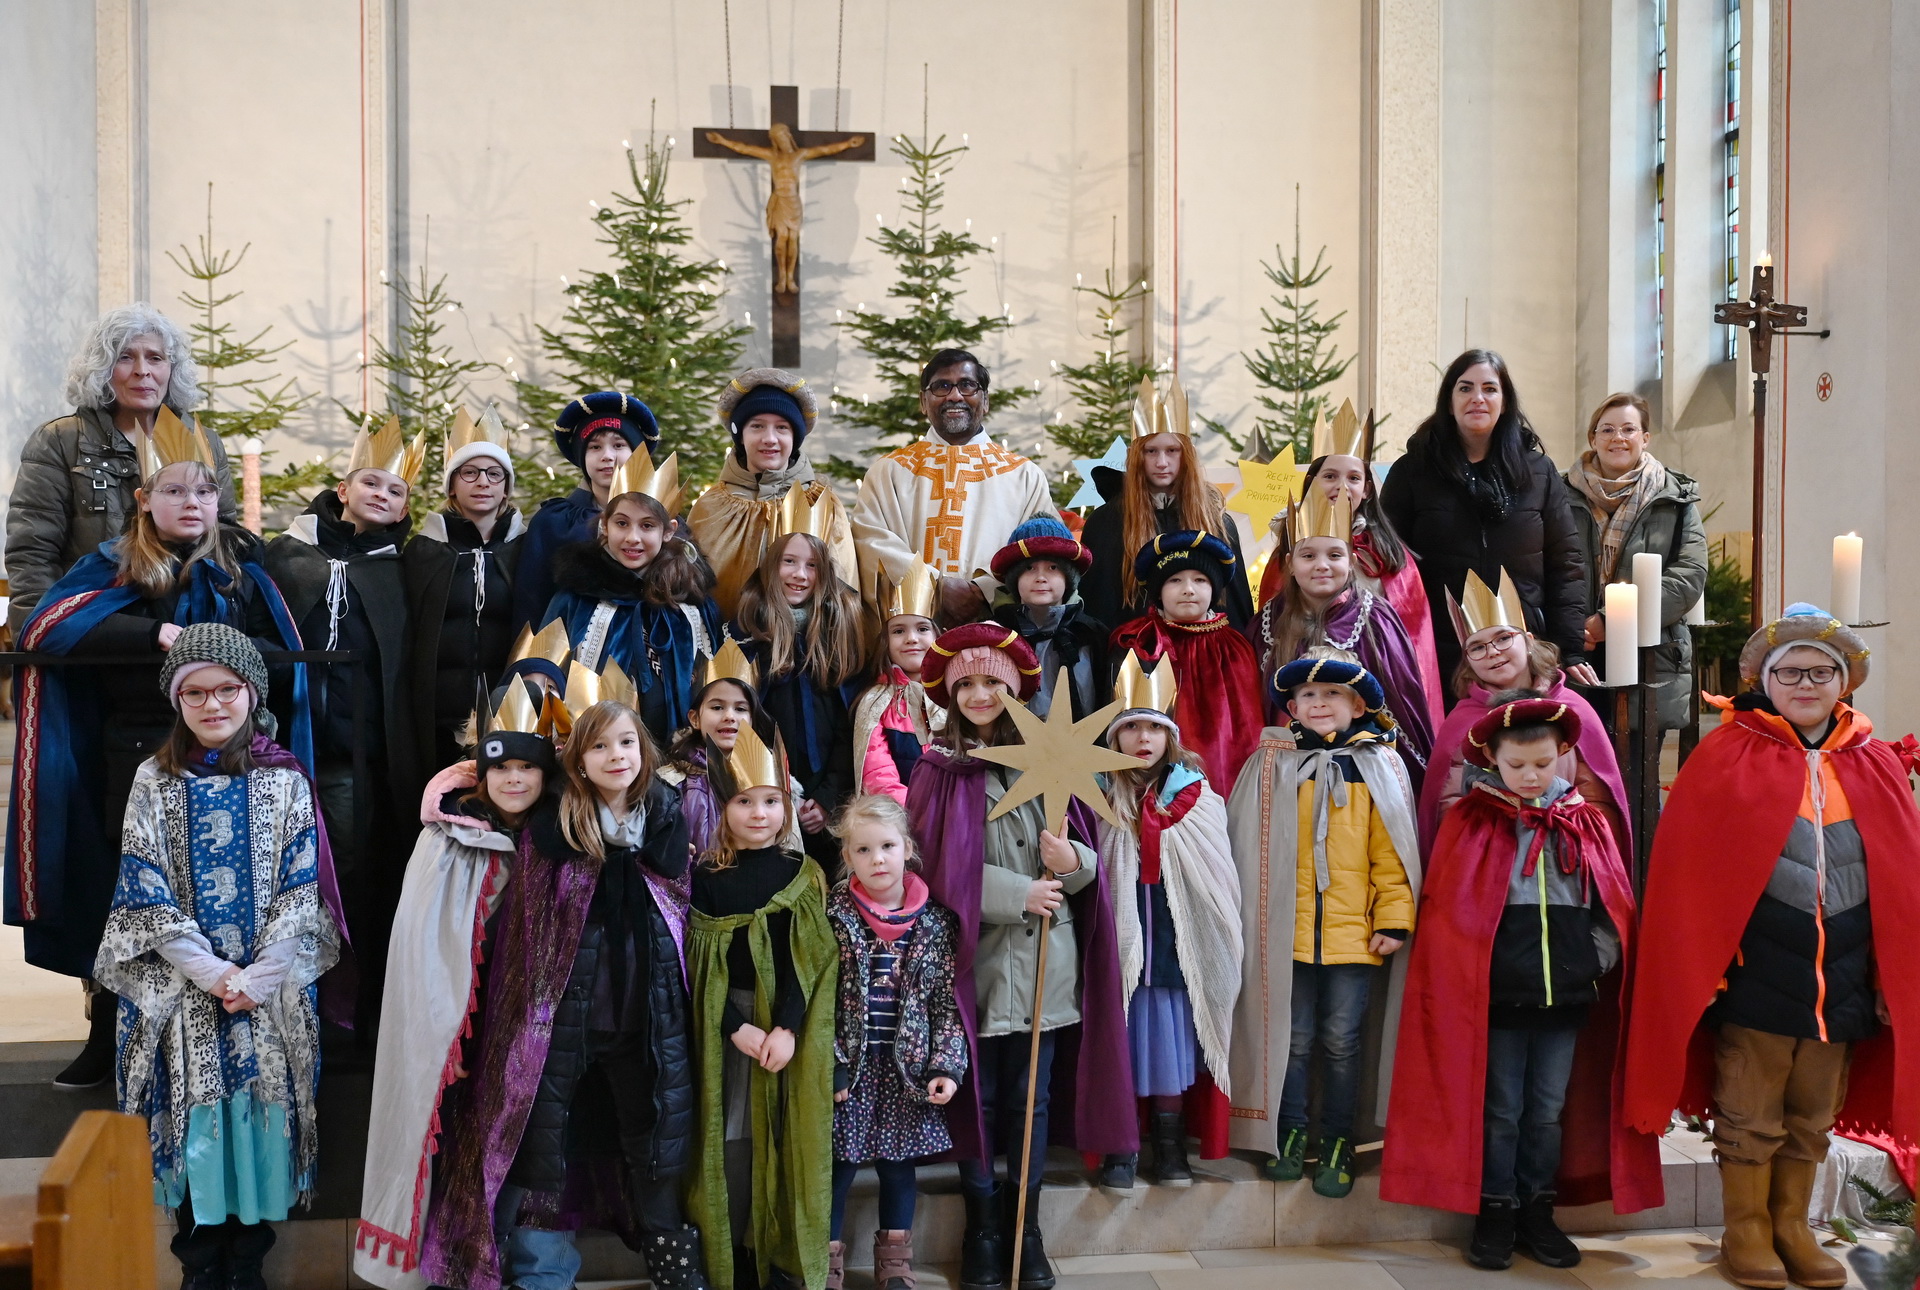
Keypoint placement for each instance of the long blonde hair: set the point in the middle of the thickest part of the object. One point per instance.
(832, 647)
(579, 799)
(148, 563)
(1200, 504)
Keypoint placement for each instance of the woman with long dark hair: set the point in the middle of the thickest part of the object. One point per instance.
(1476, 491)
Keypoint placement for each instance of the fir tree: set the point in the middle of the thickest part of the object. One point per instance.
(648, 325)
(1104, 388)
(1299, 357)
(927, 260)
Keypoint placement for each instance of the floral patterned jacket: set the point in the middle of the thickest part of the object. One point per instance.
(930, 1042)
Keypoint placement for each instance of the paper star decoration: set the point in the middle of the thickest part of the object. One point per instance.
(1116, 459)
(1266, 488)
(1059, 759)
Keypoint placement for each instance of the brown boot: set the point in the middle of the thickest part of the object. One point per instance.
(1746, 1248)
(1793, 1240)
(893, 1261)
(836, 1264)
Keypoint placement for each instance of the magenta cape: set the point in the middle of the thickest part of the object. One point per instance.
(1093, 1106)
(1595, 749)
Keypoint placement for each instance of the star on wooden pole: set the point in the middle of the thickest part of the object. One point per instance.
(1266, 487)
(1059, 759)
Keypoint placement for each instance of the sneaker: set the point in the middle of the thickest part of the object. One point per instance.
(1491, 1246)
(1334, 1177)
(1537, 1234)
(1116, 1174)
(1291, 1164)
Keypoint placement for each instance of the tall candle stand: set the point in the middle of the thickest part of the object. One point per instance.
(1636, 745)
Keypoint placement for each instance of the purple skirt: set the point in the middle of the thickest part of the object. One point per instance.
(1161, 1038)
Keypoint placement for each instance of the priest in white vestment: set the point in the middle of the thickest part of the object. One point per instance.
(950, 499)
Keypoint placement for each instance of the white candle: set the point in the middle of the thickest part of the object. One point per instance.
(1846, 577)
(1697, 616)
(250, 450)
(1623, 633)
(1646, 580)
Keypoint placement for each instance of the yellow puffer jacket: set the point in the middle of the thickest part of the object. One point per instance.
(1367, 891)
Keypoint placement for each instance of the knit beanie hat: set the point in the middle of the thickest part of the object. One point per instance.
(767, 389)
(980, 649)
(497, 746)
(1041, 538)
(205, 645)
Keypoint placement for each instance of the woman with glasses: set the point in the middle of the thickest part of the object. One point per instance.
(1498, 653)
(1634, 504)
(460, 569)
(84, 731)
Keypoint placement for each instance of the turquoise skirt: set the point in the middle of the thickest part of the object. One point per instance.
(238, 1163)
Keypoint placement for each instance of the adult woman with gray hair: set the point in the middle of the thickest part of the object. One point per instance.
(74, 489)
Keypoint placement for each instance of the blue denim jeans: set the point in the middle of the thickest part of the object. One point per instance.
(531, 1259)
(1527, 1074)
(1330, 1010)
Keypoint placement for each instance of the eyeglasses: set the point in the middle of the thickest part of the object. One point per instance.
(474, 474)
(201, 493)
(197, 698)
(966, 386)
(1820, 675)
(1617, 432)
(1488, 648)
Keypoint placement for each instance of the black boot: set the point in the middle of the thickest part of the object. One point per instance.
(247, 1248)
(1493, 1234)
(202, 1251)
(94, 1065)
(1170, 1169)
(1537, 1233)
(983, 1249)
(675, 1260)
(1035, 1272)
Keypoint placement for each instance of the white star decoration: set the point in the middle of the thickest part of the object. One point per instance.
(1116, 459)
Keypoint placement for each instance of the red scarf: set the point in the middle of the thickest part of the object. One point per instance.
(1565, 820)
(1154, 821)
(890, 924)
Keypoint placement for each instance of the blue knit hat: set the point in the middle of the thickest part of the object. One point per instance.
(589, 414)
(1042, 538)
(767, 389)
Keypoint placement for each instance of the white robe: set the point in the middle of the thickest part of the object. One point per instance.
(952, 505)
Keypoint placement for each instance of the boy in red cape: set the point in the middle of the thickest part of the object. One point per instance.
(1512, 1012)
(1769, 971)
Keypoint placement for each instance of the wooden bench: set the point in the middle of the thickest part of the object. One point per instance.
(91, 1225)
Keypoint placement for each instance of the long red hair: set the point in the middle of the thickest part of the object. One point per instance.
(1201, 507)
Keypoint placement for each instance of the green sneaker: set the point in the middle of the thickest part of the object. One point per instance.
(1335, 1175)
(1291, 1164)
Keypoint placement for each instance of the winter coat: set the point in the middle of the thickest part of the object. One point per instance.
(659, 993)
(560, 521)
(930, 1041)
(1668, 526)
(1367, 889)
(1538, 543)
(1104, 535)
(73, 491)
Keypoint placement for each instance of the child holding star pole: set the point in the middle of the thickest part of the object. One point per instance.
(1026, 884)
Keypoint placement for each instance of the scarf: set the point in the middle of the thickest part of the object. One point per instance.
(1565, 821)
(1616, 503)
(890, 924)
(1487, 490)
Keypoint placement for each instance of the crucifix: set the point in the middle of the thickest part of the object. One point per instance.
(1764, 318)
(784, 146)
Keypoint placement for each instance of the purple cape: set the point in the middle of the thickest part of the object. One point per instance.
(1595, 749)
(1092, 1092)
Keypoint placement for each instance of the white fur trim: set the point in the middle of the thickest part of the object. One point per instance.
(479, 448)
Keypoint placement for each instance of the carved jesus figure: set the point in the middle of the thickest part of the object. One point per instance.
(783, 203)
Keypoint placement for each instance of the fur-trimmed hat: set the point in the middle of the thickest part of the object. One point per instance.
(1808, 625)
(1042, 538)
(1330, 670)
(1169, 553)
(980, 649)
(204, 645)
(589, 414)
(767, 389)
(1533, 711)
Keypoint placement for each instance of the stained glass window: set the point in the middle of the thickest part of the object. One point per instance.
(1730, 163)
(1660, 186)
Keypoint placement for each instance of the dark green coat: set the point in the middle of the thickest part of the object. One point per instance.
(1669, 526)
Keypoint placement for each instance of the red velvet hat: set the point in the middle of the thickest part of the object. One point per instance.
(1042, 538)
(1520, 712)
(979, 648)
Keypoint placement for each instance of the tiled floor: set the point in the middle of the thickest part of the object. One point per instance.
(35, 1005)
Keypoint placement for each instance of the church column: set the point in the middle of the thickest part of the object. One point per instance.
(1160, 111)
(1400, 178)
(382, 177)
(120, 150)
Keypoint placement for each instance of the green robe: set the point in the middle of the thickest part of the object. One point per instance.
(792, 1112)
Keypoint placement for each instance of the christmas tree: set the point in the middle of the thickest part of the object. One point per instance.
(1104, 387)
(648, 325)
(245, 397)
(1299, 357)
(927, 260)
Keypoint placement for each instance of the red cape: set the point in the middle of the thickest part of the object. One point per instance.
(1221, 707)
(1721, 833)
(1435, 1120)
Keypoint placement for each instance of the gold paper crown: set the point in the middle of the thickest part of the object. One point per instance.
(586, 687)
(1136, 687)
(1154, 413)
(170, 443)
(387, 449)
(1345, 436)
(918, 592)
(1314, 516)
(1479, 608)
(556, 719)
(549, 643)
(637, 474)
(802, 514)
(754, 765)
(730, 663)
(489, 429)
(517, 711)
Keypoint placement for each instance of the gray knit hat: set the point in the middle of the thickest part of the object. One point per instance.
(212, 645)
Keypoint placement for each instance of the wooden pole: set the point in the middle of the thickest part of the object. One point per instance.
(1758, 615)
(1026, 1136)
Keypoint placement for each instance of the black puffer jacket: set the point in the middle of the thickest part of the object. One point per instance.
(626, 974)
(1537, 542)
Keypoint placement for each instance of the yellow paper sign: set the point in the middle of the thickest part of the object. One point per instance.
(1266, 489)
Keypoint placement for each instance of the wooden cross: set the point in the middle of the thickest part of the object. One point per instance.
(785, 147)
